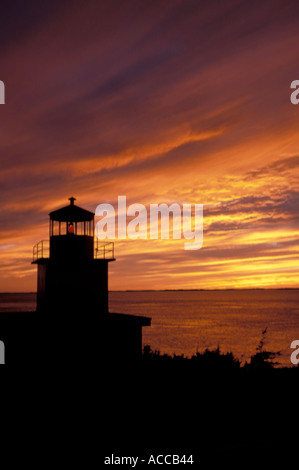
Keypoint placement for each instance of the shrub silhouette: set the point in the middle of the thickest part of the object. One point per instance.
(209, 359)
(216, 360)
(150, 355)
(263, 359)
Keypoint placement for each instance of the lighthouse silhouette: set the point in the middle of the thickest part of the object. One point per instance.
(73, 275)
(72, 292)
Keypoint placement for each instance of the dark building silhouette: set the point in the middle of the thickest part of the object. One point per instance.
(73, 286)
(71, 324)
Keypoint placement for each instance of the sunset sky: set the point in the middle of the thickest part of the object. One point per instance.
(162, 101)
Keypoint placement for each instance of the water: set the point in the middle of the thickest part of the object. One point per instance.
(17, 302)
(186, 321)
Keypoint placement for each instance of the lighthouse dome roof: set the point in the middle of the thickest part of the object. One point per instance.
(71, 213)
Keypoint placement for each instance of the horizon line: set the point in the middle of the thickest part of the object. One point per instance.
(183, 290)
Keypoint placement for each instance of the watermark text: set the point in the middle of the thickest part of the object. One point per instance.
(2, 92)
(160, 221)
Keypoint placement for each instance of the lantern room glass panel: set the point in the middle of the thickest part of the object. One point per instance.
(55, 228)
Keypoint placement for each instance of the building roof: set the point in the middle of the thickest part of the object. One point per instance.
(71, 213)
(128, 319)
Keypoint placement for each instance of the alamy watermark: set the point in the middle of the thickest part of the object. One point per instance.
(2, 353)
(295, 354)
(162, 221)
(2, 92)
(294, 96)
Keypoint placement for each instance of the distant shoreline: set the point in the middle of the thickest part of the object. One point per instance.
(185, 290)
(206, 290)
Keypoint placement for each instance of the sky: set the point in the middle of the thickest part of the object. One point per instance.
(161, 101)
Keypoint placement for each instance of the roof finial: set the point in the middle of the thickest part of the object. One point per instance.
(72, 199)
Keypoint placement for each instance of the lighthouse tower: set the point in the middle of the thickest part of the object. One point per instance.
(72, 293)
(73, 274)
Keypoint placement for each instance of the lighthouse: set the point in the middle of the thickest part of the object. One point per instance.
(72, 269)
(72, 289)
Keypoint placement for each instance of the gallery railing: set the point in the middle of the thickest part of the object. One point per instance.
(41, 250)
(103, 250)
